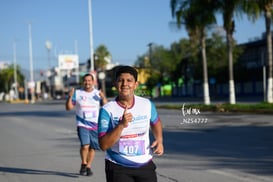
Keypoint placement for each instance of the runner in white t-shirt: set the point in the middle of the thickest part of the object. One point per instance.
(87, 102)
(123, 128)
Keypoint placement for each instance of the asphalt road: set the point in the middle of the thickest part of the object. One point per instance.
(38, 142)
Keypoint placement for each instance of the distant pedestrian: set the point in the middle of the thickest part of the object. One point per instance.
(87, 102)
(123, 127)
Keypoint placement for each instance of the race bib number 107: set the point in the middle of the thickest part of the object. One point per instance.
(132, 147)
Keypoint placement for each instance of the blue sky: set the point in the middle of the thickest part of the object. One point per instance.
(124, 27)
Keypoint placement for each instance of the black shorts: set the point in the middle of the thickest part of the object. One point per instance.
(118, 173)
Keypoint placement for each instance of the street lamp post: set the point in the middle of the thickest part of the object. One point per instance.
(101, 77)
(15, 70)
(91, 36)
(77, 68)
(32, 84)
(48, 47)
(150, 54)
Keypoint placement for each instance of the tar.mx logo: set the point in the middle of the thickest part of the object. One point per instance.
(192, 116)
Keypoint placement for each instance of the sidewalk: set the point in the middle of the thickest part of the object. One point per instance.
(200, 100)
(167, 100)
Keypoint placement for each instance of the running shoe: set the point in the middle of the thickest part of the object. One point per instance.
(88, 172)
(83, 169)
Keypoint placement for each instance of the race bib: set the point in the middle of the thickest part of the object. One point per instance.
(90, 114)
(132, 147)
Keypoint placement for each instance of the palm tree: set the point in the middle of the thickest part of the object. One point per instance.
(101, 56)
(254, 9)
(196, 15)
(228, 8)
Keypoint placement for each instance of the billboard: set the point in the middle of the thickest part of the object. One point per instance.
(68, 61)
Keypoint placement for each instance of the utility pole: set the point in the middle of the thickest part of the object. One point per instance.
(77, 68)
(32, 83)
(48, 47)
(150, 52)
(91, 36)
(15, 70)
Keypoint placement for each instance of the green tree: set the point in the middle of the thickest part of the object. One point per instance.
(7, 78)
(101, 56)
(254, 9)
(180, 52)
(143, 61)
(217, 56)
(196, 15)
(159, 64)
(162, 60)
(218, 59)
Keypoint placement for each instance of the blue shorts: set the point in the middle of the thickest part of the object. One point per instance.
(88, 137)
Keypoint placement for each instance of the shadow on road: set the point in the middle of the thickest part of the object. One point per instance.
(39, 113)
(36, 172)
(248, 148)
